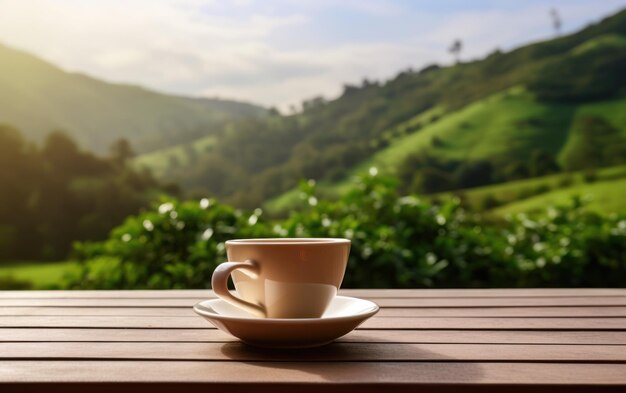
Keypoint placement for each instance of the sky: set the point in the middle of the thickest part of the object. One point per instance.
(274, 52)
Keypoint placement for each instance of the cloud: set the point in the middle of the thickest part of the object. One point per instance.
(273, 52)
(165, 45)
(324, 74)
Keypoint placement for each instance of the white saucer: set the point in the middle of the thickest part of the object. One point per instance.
(343, 315)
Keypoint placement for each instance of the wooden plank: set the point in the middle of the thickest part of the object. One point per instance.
(296, 373)
(290, 387)
(184, 312)
(506, 312)
(374, 323)
(336, 352)
(486, 292)
(568, 339)
(378, 293)
(99, 302)
(136, 335)
(451, 312)
(382, 336)
(597, 301)
(120, 294)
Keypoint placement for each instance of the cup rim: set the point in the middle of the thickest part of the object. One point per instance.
(289, 241)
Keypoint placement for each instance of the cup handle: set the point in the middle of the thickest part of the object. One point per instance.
(219, 282)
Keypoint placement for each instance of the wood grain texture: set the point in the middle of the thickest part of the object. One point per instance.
(373, 336)
(392, 323)
(563, 301)
(512, 340)
(450, 312)
(315, 387)
(336, 352)
(378, 293)
(459, 373)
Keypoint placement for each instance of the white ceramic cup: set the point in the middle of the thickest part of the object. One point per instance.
(282, 278)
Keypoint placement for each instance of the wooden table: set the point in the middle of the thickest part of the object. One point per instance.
(499, 340)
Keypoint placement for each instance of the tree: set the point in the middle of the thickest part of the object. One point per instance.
(474, 174)
(556, 21)
(597, 144)
(60, 150)
(20, 171)
(429, 68)
(349, 89)
(455, 49)
(542, 163)
(273, 111)
(121, 151)
(594, 74)
(367, 83)
(58, 193)
(437, 142)
(66, 159)
(514, 171)
(313, 103)
(431, 180)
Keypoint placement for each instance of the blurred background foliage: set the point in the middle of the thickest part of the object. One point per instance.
(56, 193)
(397, 241)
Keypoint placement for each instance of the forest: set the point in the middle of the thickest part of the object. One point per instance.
(56, 194)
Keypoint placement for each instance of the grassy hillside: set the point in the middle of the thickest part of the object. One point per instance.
(38, 97)
(503, 127)
(602, 196)
(604, 190)
(40, 275)
(160, 161)
(535, 100)
(514, 191)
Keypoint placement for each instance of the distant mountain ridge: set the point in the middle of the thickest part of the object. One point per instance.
(37, 97)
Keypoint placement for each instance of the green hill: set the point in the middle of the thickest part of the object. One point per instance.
(549, 106)
(511, 192)
(162, 160)
(503, 127)
(602, 196)
(38, 97)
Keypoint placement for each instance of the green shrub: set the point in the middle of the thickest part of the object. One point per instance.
(11, 283)
(397, 241)
(590, 176)
(566, 181)
(404, 242)
(489, 202)
(598, 143)
(541, 189)
(174, 245)
(601, 68)
(568, 246)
